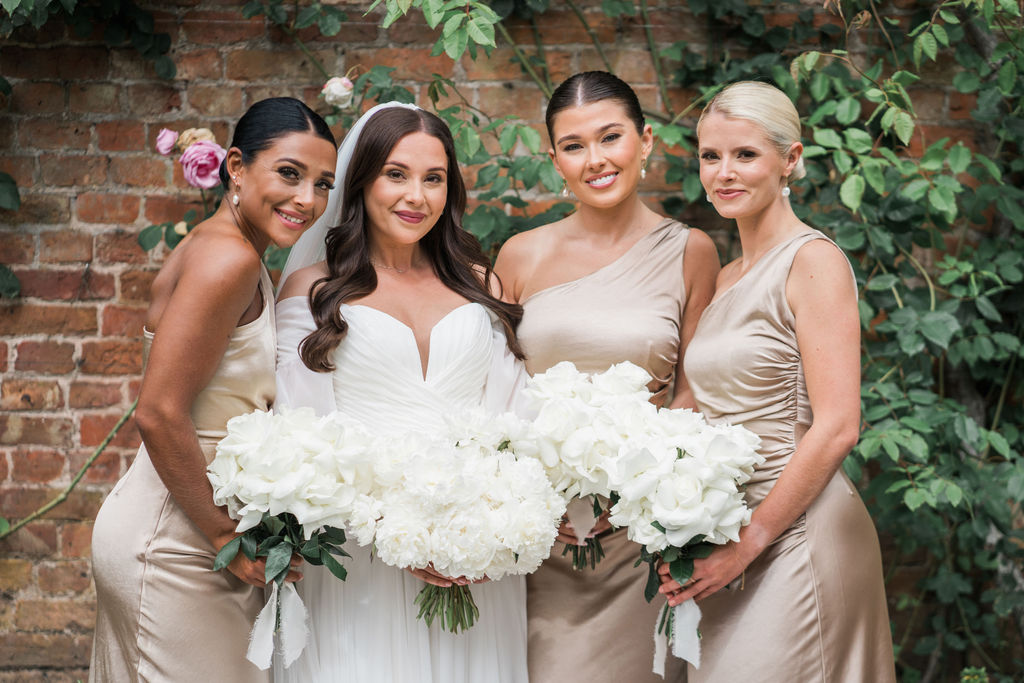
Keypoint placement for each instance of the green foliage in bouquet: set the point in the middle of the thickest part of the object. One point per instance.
(277, 538)
(454, 606)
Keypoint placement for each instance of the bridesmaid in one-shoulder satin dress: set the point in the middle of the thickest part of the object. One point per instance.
(163, 614)
(612, 282)
(778, 351)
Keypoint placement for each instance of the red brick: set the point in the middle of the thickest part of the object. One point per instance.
(121, 136)
(65, 246)
(86, 394)
(360, 29)
(47, 650)
(94, 98)
(111, 357)
(45, 357)
(3, 368)
(126, 64)
(932, 134)
(119, 246)
(411, 63)
(139, 170)
(7, 127)
(215, 100)
(961, 105)
(15, 574)
(929, 103)
(513, 99)
(106, 469)
(220, 28)
(68, 576)
(501, 65)
(38, 209)
(95, 429)
(38, 539)
(412, 29)
(76, 539)
(21, 168)
(136, 285)
(29, 429)
(23, 319)
(99, 207)
(54, 615)
(170, 209)
(37, 98)
(16, 248)
(30, 394)
(65, 285)
(152, 98)
(122, 321)
(37, 466)
(282, 65)
(81, 505)
(199, 64)
(66, 171)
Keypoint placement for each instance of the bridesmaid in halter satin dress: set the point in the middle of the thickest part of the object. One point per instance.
(778, 351)
(162, 612)
(614, 281)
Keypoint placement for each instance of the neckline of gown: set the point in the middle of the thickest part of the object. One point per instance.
(664, 222)
(424, 372)
(764, 259)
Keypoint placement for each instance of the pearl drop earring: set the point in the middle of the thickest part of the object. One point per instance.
(707, 197)
(565, 188)
(643, 168)
(234, 197)
(785, 191)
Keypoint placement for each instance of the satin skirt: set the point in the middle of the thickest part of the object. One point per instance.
(594, 624)
(162, 613)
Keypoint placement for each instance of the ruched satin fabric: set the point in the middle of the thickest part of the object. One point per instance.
(812, 606)
(162, 613)
(365, 628)
(594, 625)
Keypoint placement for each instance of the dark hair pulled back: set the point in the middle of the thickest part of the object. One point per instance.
(455, 254)
(268, 120)
(593, 86)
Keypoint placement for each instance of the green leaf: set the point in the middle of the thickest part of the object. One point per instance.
(859, 141)
(10, 287)
(988, 309)
(530, 138)
(882, 282)
(940, 34)
(307, 16)
(165, 67)
(9, 197)
(959, 158)
(999, 443)
(333, 565)
(653, 582)
(5, 526)
(1007, 78)
(507, 138)
(916, 189)
(826, 137)
(847, 111)
(966, 81)
(693, 190)
(227, 553)
(954, 493)
(928, 45)
(914, 498)
(150, 236)
(875, 176)
(939, 327)
(278, 559)
(904, 126)
(5, 86)
(852, 191)
(330, 21)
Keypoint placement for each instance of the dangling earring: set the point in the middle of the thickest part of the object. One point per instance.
(707, 197)
(643, 168)
(565, 188)
(234, 197)
(785, 191)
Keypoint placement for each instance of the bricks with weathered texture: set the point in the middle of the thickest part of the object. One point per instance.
(37, 466)
(18, 393)
(100, 207)
(45, 357)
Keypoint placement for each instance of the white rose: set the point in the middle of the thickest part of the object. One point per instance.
(338, 91)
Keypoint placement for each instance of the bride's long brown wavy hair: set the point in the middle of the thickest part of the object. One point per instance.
(455, 254)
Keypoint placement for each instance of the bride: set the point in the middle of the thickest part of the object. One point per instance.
(384, 314)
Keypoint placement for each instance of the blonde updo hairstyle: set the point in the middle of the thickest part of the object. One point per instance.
(765, 105)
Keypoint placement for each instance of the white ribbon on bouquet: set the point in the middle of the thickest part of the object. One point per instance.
(685, 638)
(292, 631)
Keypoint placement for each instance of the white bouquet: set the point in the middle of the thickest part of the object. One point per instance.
(464, 504)
(679, 489)
(293, 480)
(583, 422)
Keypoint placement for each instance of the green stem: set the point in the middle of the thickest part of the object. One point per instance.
(917, 265)
(78, 477)
(524, 61)
(974, 641)
(653, 49)
(592, 34)
(540, 52)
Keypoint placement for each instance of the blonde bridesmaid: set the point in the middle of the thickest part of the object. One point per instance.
(614, 281)
(778, 351)
(163, 614)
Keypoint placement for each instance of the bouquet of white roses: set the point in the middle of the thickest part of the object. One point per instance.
(464, 504)
(679, 489)
(583, 422)
(293, 480)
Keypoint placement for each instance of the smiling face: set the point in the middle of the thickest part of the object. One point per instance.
(598, 151)
(741, 170)
(284, 189)
(409, 194)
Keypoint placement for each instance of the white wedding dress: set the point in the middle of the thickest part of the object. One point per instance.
(365, 629)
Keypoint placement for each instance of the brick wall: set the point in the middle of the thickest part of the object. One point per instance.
(77, 134)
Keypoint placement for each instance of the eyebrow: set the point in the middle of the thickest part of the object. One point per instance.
(602, 129)
(401, 165)
(296, 162)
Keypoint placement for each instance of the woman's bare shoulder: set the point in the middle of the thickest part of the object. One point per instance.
(302, 280)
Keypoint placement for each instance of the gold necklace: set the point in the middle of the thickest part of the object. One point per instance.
(381, 265)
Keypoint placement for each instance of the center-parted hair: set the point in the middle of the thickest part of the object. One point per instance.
(593, 86)
(455, 255)
(268, 120)
(764, 105)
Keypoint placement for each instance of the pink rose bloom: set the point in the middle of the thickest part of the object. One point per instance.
(201, 163)
(165, 140)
